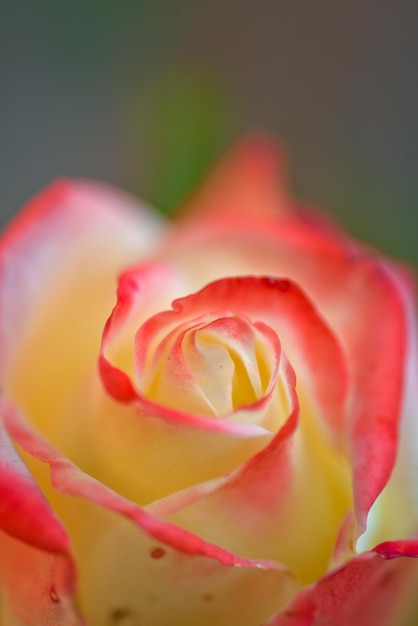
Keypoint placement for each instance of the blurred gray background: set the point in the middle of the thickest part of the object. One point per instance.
(146, 94)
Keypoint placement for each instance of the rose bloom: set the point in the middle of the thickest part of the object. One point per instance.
(236, 444)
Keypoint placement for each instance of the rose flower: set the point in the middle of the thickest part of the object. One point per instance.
(233, 441)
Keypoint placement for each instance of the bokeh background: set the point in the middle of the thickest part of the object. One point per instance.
(145, 94)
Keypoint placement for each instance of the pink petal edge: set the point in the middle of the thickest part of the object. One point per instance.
(70, 480)
(132, 293)
(32, 537)
(372, 588)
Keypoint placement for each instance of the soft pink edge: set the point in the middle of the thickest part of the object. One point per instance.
(70, 480)
(120, 386)
(328, 246)
(216, 295)
(33, 535)
(363, 591)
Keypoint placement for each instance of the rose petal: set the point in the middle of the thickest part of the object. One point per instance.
(395, 512)
(135, 454)
(283, 306)
(347, 284)
(159, 585)
(215, 364)
(58, 266)
(133, 303)
(263, 508)
(133, 543)
(69, 479)
(367, 590)
(32, 540)
(139, 447)
(134, 447)
(246, 180)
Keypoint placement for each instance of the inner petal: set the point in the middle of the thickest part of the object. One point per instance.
(211, 367)
(229, 344)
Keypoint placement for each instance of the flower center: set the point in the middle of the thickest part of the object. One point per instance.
(210, 366)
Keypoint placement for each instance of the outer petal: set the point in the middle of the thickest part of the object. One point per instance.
(395, 512)
(37, 574)
(58, 265)
(63, 251)
(249, 179)
(367, 590)
(164, 574)
(347, 284)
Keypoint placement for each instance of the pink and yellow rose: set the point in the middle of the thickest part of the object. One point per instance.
(236, 444)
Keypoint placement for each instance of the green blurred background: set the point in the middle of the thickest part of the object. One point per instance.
(146, 94)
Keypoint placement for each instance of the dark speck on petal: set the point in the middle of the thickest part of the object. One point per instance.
(157, 553)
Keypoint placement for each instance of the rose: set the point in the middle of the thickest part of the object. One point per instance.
(244, 456)
(245, 516)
